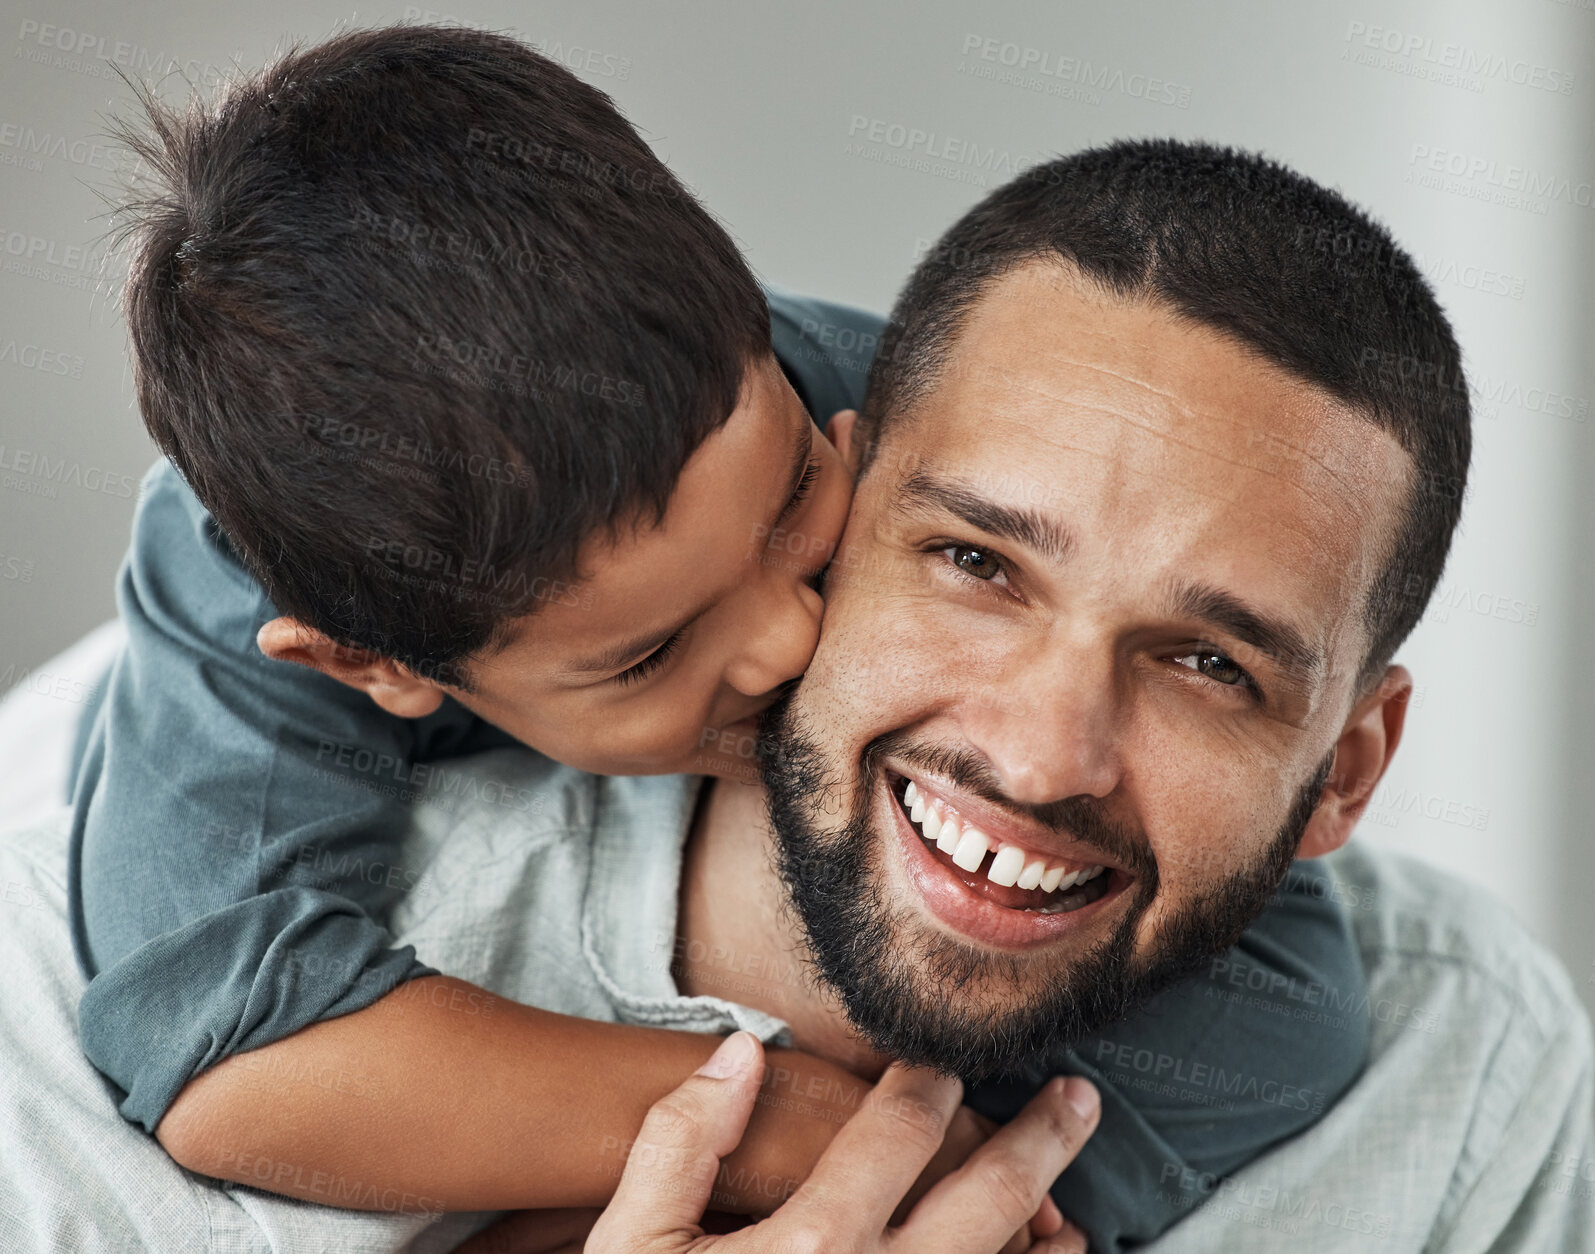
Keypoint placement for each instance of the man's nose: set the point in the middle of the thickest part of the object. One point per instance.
(788, 617)
(1049, 728)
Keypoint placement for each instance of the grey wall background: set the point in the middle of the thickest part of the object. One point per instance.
(837, 140)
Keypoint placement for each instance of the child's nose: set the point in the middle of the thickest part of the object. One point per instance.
(780, 648)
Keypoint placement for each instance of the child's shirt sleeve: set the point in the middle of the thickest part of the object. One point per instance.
(235, 824)
(825, 349)
(1214, 1070)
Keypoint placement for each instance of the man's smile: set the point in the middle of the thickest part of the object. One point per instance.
(988, 881)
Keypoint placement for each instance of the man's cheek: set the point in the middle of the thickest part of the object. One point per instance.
(880, 634)
(866, 685)
(1196, 791)
(1200, 852)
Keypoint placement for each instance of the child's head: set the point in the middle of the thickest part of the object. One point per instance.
(481, 394)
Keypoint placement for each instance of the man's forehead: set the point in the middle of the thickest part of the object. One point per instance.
(1053, 388)
(1045, 330)
(1171, 451)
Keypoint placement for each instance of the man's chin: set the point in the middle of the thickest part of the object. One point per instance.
(919, 994)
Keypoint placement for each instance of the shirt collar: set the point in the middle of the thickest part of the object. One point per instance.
(629, 915)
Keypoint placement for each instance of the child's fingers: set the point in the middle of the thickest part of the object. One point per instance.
(1047, 1220)
(1067, 1240)
(1019, 1243)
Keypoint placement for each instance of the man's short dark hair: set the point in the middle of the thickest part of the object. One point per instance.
(1238, 243)
(415, 311)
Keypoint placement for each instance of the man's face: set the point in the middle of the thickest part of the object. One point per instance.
(1094, 627)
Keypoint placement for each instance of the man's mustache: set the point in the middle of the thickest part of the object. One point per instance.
(1079, 818)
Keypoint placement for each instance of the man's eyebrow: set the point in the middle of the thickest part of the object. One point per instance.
(1280, 641)
(1023, 525)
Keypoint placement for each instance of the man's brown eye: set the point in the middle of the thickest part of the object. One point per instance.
(1219, 668)
(976, 562)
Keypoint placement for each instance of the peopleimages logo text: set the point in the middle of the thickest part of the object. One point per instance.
(1460, 57)
(1097, 75)
(936, 147)
(1477, 168)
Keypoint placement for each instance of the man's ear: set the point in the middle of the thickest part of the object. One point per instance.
(839, 431)
(1362, 753)
(395, 688)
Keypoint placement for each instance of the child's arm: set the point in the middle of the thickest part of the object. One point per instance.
(1215, 1070)
(237, 827)
(236, 852)
(441, 1096)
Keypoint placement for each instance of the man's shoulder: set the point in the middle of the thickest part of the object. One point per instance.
(1468, 1008)
(556, 887)
(1472, 1107)
(1420, 928)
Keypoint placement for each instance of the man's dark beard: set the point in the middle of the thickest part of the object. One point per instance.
(904, 996)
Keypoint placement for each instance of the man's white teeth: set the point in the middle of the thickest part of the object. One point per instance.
(916, 803)
(1007, 866)
(947, 838)
(971, 850)
(968, 846)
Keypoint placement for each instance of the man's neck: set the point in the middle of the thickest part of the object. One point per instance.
(738, 940)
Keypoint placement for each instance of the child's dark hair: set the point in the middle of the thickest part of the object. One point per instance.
(415, 312)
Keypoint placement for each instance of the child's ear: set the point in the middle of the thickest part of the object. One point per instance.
(1362, 753)
(839, 431)
(395, 688)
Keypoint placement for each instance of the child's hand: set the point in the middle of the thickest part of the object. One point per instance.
(781, 1147)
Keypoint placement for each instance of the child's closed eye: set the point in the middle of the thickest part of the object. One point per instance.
(641, 670)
